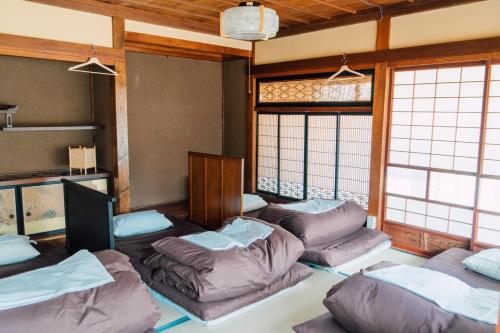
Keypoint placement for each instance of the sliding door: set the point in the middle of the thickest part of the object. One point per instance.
(442, 163)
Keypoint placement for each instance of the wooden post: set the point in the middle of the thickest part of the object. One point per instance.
(121, 179)
(379, 126)
(251, 133)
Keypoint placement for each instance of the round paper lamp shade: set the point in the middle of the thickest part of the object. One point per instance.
(244, 22)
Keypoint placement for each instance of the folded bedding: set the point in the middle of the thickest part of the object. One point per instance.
(124, 305)
(324, 323)
(449, 293)
(317, 229)
(252, 202)
(79, 272)
(206, 275)
(345, 249)
(362, 304)
(313, 206)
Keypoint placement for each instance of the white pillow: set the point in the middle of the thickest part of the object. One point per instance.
(485, 262)
(139, 223)
(16, 248)
(252, 202)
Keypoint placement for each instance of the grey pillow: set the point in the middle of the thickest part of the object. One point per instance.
(317, 229)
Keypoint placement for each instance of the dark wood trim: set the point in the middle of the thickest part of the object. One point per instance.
(383, 33)
(49, 176)
(47, 128)
(20, 46)
(118, 32)
(170, 52)
(472, 50)
(372, 14)
(313, 109)
(251, 132)
(146, 41)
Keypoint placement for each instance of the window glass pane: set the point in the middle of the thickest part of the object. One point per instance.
(406, 182)
(354, 158)
(321, 156)
(292, 156)
(452, 188)
(311, 90)
(267, 153)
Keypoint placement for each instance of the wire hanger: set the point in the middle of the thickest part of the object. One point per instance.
(344, 68)
(93, 61)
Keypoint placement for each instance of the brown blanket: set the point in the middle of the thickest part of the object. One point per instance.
(365, 305)
(205, 275)
(124, 306)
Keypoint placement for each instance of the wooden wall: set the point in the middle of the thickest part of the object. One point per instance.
(47, 94)
(235, 101)
(174, 106)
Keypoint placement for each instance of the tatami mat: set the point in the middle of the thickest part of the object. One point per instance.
(282, 313)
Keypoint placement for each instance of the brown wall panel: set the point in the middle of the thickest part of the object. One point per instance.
(174, 106)
(47, 94)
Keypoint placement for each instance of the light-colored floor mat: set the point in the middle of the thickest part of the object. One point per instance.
(395, 256)
(281, 314)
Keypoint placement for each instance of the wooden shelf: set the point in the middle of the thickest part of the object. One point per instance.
(52, 128)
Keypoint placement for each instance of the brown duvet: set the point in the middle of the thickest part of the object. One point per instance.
(205, 275)
(362, 304)
(123, 306)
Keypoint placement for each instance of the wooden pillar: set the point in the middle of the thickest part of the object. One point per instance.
(379, 127)
(121, 179)
(251, 133)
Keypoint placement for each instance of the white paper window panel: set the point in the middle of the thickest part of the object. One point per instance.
(492, 152)
(489, 221)
(398, 157)
(422, 119)
(400, 144)
(495, 88)
(401, 118)
(442, 162)
(440, 211)
(446, 105)
(472, 89)
(402, 132)
(488, 236)
(423, 104)
(452, 188)
(445, 119)
(436, 224)
(468, 134)
(493, 136)
(465, 164)
(416, 220)
(421, 160)
(493, 121)
(475, 73)
(425, 76)
(471, 105)
(443, 147)
(489, 194)
(460, 229)
(420, 146)
(424, 91)
(402, 104)
(461, 215)
(465, 149)
(406, 182)
(395, 215)
(444, 133)
(396, 202)
(421, 132)
(415, 206)
(404, 77)
(491, 167)
(469, 120)
(449, 75)
(403, 91)
(495, 72)
(448, 90)
(494, 104)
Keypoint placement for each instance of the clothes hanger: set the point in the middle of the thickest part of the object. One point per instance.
(344, 68)
(93, 61)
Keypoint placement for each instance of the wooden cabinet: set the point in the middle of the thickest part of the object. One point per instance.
(35, 206)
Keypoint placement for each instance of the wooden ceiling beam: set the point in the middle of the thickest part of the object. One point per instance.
(372, 14)
(370, 3)
(190, 3)
(332, 5)
(165, 9)
(285, 16)
(299, 9)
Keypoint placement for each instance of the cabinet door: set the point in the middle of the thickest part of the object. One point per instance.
(100, 185)
(43, 208)
(8, 212)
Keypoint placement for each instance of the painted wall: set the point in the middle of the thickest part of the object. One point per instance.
(235, 105)
(66, 100)
(30, 19)
(158, 30)
(471, 21)
(174, 106)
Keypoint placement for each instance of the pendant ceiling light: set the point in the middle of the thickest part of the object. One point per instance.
(249, 21)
